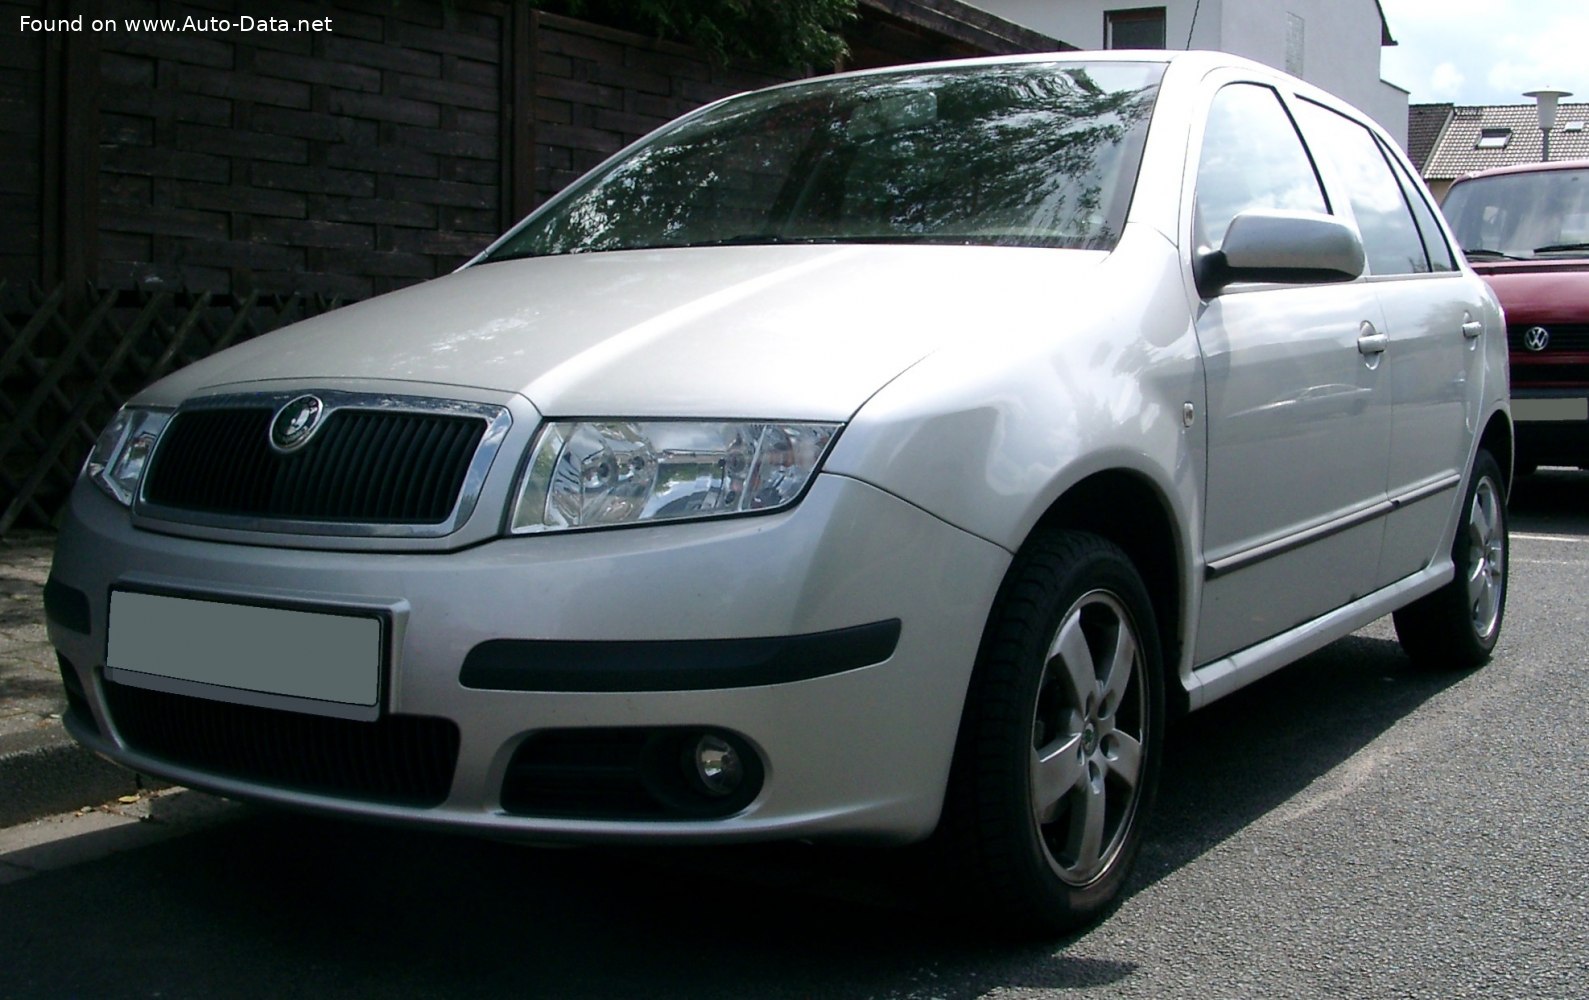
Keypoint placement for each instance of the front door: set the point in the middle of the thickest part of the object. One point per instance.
(1299, 412)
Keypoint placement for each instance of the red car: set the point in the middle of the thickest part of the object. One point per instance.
(1526, 230)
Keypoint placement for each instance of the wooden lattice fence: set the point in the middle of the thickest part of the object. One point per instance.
(66, 366)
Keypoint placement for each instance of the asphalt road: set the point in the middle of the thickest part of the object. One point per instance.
(1350, 827)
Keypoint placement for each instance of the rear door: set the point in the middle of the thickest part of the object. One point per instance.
(1434, 317)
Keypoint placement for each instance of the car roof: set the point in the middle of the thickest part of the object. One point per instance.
(1192, 60)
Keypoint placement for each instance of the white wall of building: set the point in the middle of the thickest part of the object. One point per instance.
(1080, 22)
(1338, 40)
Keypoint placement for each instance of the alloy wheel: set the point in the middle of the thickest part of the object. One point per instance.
(1088, 733)
(1487, 558)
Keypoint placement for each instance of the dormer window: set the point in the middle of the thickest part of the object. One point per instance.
(1493, 138)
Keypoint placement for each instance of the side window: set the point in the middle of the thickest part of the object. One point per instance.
(1390, 237)
(1441, 257)
(1252, 157)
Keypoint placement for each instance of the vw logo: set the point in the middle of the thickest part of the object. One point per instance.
(1536, 338)
(295, 423)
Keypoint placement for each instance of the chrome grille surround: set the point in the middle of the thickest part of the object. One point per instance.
(496, 421)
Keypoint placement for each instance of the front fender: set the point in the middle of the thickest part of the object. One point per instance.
(987, 434)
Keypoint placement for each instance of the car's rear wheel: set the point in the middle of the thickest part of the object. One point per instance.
(1060, 747)
(1457, 626)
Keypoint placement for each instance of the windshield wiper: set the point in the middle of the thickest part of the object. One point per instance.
(742, 239)
(1482, 252)
(1561, 247)
(497, 258)
(751, 240)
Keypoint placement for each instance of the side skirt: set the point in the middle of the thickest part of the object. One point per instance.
(1220, 677)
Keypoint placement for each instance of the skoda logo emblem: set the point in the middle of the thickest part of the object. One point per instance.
(296, 423)
(1536, 338)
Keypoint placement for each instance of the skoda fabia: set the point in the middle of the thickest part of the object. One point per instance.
(880, 457)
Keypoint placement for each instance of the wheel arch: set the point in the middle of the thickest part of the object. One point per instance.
(1497, 440)
(1126, 508)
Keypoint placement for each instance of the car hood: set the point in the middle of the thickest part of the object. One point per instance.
(1555, 291)
(786, 332)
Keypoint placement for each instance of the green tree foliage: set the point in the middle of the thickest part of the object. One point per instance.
(782, 34)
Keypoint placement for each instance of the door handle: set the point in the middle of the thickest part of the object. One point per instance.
(1471, 328)
(1373, 343)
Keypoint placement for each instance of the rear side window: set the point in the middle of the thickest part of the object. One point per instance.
(1252, 157)
(1391, 239)
(1435, 245)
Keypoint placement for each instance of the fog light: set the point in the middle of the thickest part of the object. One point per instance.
(717, 765)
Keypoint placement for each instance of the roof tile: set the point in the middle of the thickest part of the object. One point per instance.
(1425, 122)
(1455, 153)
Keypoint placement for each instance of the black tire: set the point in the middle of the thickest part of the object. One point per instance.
(1050, 861)
(1457, 626)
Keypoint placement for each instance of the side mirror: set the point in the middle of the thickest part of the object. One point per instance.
(1303, 248)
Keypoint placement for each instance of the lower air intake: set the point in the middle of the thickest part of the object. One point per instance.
(403, 760)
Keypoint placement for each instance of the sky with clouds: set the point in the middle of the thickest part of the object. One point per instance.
(1487, 51)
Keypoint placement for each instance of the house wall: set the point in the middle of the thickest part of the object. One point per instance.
(1081, 22)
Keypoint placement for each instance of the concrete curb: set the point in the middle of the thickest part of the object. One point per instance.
(45, 771)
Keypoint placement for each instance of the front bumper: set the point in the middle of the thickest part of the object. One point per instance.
(855, 751)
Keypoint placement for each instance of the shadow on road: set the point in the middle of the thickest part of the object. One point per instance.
(276, 903)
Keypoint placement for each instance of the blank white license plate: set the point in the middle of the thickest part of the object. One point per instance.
(1550, 409)
(242, 648)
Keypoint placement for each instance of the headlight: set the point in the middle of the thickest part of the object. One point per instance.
(588, 474)
(122, 452)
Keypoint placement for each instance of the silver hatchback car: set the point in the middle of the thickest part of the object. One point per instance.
(879, 457)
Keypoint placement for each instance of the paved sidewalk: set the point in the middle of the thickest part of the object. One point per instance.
(42, 769)
(30, 688)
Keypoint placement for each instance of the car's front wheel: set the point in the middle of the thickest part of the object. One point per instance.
(1060, 747)
(1457, 626)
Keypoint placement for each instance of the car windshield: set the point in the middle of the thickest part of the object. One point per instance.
(1020, 154)
(1543, 213)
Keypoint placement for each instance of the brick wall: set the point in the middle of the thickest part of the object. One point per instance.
(597, 90)
(345, 162)
(342, 163)
(21, 146)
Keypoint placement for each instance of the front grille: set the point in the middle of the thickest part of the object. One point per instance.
(364, 466)
(1573, 375)
(1564, 337)
(405, 760)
